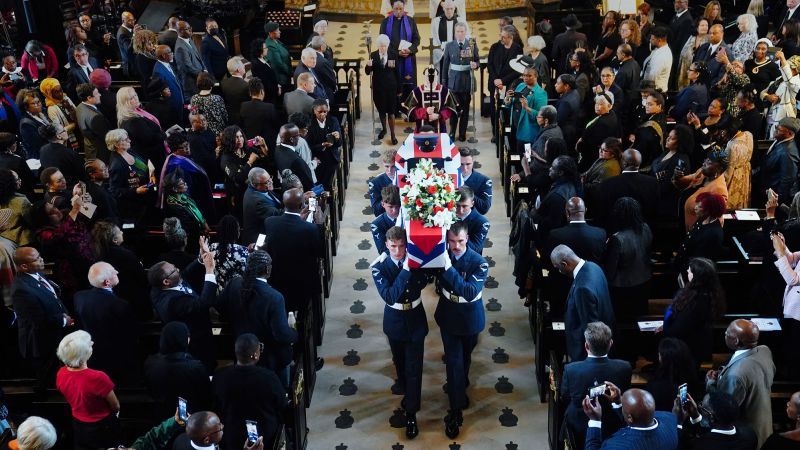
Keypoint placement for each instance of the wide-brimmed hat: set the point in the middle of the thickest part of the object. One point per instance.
(571, 20)
(520, 63)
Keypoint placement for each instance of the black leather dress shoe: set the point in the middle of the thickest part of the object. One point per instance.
(382, 134)
(318, 364)
(398, 388)
(452, 421)
(412, 430)
(462, 138)
(394, 141)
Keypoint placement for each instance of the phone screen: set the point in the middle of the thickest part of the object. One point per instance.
(252, 431)
(683, 391)
(260, 240)
(597, 391)
(183, 412)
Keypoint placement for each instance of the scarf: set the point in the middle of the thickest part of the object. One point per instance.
(148, 116)
(47, 86)
(185, 201)
(407, 68)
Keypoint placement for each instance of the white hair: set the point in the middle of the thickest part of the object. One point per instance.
(308, 52)
(75, 349)
(749, 22)
(320, 24)
(382, 39)
(255, 172)
(114, 136)
(605, 96)
(36, 433)
(460, 24)
(99, 272)
(234, 65)
(536, 42)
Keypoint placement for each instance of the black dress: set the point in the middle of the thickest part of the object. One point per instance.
(267, 76)
(692, 325)
(384, 83)
(611, 41)
(668, 206)
(762, 74)
(703, 241)
(123, 181)
(147, 140)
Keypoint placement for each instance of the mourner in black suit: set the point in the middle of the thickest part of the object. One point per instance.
(287, 158)
(259, 118)
(173, 300)
(595, 370)
(325, 139)
(203, 431)
(717, 428)
(246, 391)
(681, 26)
(110, 321)
(97, 187)
(41, 316)
(260, 202)
(173, 372)
(588, 299)
(256, 307)
(214, 49)
(404, 321)
(708, 53)
(605, 125)
(630, 183)
(235, 90)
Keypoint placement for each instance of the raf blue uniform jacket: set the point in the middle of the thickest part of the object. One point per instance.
(375, 187)
(465, 278)
(398, 286)
(588, 301)
(478, 228)
(482, 185)
(379, 226)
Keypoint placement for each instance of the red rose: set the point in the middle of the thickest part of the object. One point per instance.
(419, 203)
(451, 205)
(437, 208)
(405, 200)
(447, 188)
(432, 189)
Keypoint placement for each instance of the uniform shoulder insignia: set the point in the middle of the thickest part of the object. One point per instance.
(379, 259)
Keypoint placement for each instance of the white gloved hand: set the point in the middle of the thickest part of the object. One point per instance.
(405, 264)
(447, 263)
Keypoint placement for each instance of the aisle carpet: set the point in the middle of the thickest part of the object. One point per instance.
(352, 407)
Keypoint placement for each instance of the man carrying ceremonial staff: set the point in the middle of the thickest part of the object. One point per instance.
(459, 60)
(404, 37)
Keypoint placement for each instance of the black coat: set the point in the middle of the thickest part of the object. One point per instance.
(588, 242)
(260, 118)
(286, 158)
(147, 139)
(264, 315)
(215, 56)
(295, 247)
(191, 309)
(235, 92)
(144, 67)
(593, 136)
(498, 64)
(12, 161)
(132, 280)
(40, 317)
(329, 157)
(111, 322)
(106, 203)
(123, 182)
(67, 161)
(642, 188)
(680, 28)
(248, 393)
(267, 76)
(203, 144)
(173, 375)
(258, 208)
(692, 325)
(384, 83)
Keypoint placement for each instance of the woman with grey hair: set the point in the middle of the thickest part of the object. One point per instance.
(90, 394)
(535, 46)
(381, 64)
(36, 433)
(128, 175)
(176, 240)
(742, 48)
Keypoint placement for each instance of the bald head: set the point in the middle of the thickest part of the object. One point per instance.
(164, 53)
(741, 334)
(103, 275)
(204, 428)
(638, 408)
(28, 260)
(288, 134)
(631, 159)
(293, 200)
(576, 209)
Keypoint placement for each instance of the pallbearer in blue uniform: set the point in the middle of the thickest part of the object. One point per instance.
(384, 179)
(460, 317)
(390, 201)
(477, 225)
(404, 320)
(481, 184)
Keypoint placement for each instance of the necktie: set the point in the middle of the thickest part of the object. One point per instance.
(43, 281)
(88, 71)
(383, 61)
(461, 46)
(400, 265)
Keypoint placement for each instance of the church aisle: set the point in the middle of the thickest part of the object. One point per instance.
(352, 407)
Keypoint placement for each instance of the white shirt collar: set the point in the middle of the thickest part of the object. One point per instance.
(293, 213)
(578, 268)
(129, 29)
(321, 124)
(593, 356)
(210, 447)
(730, 432)
(577, 221)
(187, 40)
(261, 279)
(738, 353)
(166, 64)
(793, 10)
(681, 13)
(651, 427)
(17, 70)
(465, 178)
(631, 171)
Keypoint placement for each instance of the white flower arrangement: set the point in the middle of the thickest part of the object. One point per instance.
(430, 195)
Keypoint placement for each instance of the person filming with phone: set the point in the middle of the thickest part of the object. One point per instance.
(713, 424)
